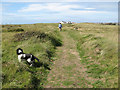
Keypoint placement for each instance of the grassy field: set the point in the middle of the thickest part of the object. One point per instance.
(41, 40)
(90, 51)
(98, 48)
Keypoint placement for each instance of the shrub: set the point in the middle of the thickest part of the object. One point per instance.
(16, 30)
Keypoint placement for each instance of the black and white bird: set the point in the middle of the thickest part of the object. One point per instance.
(27, 57)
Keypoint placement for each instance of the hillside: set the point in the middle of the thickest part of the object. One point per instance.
(83, 55)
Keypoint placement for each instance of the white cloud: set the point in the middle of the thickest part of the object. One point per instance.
(89, 8)
(32, 7)
(61, 8)
(49, 6)
(40, 1)
(69, 12)
(85, 12)
(55, 11)
(60, 0)
(20, 15)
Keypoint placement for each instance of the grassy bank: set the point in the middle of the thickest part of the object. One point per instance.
(98, 48)
(87, 46)
(40, 40)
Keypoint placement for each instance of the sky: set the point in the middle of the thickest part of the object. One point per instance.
(21, 12)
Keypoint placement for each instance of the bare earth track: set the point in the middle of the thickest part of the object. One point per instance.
(67, 71)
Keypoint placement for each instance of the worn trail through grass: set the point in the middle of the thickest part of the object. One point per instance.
(67, 71)
(82, 55)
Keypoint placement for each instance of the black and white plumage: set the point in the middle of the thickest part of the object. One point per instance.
(28, 57)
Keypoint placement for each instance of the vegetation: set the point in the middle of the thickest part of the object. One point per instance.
(40, 43)
(82, 55)
(98, 48)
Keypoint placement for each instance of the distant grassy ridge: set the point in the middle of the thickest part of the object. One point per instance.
(40, 40)
(98, 48)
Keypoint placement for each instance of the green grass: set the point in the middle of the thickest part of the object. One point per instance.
(67, 83)
(40, 43)
(97, 46)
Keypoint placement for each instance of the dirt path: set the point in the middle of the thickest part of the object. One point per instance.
(67, 71)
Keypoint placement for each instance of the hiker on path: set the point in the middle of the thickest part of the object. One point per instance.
(60, 26)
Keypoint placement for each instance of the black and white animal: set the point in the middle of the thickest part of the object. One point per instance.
(27, 57)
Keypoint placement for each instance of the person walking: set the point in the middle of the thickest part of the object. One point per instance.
(60, 26)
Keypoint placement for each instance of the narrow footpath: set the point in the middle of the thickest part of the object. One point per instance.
(67, 71)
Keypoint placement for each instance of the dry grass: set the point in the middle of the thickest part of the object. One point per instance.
(87, 58)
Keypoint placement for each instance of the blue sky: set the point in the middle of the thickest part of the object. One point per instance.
(54, 12)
